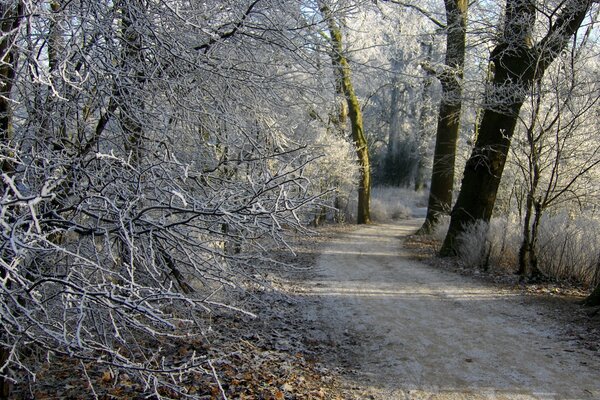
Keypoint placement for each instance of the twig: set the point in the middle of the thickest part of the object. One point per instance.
(214, 372)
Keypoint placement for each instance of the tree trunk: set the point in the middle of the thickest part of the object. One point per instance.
(393, 134)
(517, 65)
(131, 89)
(355, 116)
(526, 248)
(482, 175)
(528, 266)
(528, 262)
(442, 174)
(11, 18)
(594, 298)
(424, 115)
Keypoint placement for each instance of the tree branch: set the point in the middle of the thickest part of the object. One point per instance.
(225, 35)
(559, 33)
(422, 11)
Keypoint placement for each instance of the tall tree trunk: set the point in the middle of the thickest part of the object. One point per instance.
(528, 265)
(442, 174)
(517, 65)
(355, 116)
(424, 114)
(394, 131)
(11, 18)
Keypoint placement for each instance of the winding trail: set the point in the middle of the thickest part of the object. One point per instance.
(411, 331)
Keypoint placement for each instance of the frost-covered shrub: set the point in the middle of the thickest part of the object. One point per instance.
(335, 156)
(382, 211)
(569, 247)
(505, 237)
(494, 245)
(389, 203)
(473, 245)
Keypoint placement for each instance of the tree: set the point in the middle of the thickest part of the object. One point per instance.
(450, 76)
(130, 133)
(343, 75)
(518, 62)
(553, 157)
(130, 97)
(426, 114)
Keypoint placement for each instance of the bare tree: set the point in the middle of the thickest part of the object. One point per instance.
(130, 133)
(12, 14)
(519, 61)
(554, 158)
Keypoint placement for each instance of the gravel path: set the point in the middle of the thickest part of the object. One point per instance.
(400, 329)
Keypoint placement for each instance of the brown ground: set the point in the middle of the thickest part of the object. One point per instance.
(397, 328)
(377, 319)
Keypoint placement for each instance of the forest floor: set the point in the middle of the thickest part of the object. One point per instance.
(369, 313)
(387, 325)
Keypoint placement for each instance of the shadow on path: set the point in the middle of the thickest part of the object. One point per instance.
(410, 331)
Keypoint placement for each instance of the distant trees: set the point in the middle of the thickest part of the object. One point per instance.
(519, 60)
(400, 95)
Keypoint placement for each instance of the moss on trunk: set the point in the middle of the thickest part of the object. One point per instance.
(355, 116)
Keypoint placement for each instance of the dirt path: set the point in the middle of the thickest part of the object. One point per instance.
(403, 330)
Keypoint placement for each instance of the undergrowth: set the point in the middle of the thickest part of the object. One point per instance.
(391, 203)
(568, 246)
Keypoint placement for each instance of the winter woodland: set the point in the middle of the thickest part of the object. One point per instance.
(153, 152)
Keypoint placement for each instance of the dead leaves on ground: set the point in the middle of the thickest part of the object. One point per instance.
(247, 373)
(264, 359)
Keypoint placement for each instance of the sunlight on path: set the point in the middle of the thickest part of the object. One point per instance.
(410, 331)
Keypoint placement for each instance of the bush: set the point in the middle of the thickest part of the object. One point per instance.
(568, 247)
(494, 245)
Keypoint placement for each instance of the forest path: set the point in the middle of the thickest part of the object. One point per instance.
(405, 330)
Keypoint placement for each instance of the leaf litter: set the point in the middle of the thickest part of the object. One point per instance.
(263, 358)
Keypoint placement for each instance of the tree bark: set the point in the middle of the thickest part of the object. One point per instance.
(131, 91)
(444, 159)
(394, 130)
(355, 116)
(424, 115)
(517, 65)
(528, 265)
(594, 298)
(11, 18)
(528, 262)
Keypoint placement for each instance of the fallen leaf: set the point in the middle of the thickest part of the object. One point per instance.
(107, 376)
